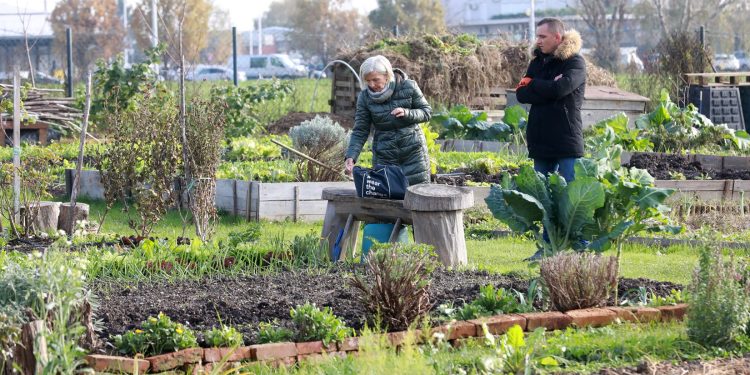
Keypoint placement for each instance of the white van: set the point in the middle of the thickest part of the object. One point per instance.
(269, 66)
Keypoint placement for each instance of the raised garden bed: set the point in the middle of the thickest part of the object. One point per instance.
(246, 301)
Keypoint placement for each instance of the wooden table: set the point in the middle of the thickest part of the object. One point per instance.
(434, 211)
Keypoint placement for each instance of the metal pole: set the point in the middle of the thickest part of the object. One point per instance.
(260, 36)
(234, 55)
(702, 38)
(154, 31)
(69, 41)
(125, 27)
(532, 21)
(17, 143)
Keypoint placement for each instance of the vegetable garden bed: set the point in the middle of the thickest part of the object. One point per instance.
(244, 302)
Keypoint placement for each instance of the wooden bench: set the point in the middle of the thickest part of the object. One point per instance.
(434, 211)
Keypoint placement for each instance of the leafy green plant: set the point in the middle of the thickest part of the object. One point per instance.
(720, 300)
(490, 301)
(117, 87)
(671, 128)
(271, 332)
(529, 200)
(243, 112)
(579, 280)
(604, 204)
(516, 118)
(461, 123)
(675, 296)
(311, 323)
(395, 286)
(223, 337)
(615, 130)
(517, 355)
(157, 335)
(252, 148)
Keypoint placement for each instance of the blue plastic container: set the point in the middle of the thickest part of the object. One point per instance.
(380, 233)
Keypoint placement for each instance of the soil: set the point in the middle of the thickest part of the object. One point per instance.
(28, 245)
(740, 365)
(282, 125)
(660, 166)
(461, 176)
(246, 301)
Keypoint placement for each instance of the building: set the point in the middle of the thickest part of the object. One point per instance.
(15, 30)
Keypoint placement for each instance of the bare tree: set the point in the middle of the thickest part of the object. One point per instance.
(605, 18)
(682, 16)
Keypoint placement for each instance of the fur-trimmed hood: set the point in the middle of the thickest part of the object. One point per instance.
(571, 44)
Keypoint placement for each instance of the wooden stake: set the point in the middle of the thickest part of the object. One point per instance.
(79, 167)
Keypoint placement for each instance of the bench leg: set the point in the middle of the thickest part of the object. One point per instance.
(444, 230)
(333, 223)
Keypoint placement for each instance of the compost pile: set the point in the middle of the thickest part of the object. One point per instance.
(43, 106)
(455, 69)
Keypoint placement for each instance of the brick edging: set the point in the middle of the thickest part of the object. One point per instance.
(203, 360)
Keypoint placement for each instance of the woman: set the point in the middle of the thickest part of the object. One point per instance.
(395, 107)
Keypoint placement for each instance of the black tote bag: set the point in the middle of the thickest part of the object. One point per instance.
(380, 181)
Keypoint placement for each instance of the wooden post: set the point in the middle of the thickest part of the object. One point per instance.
(249, 202)
(437, 216)
(234, 197)
(79, 167)
(296, 203)
(31, 353)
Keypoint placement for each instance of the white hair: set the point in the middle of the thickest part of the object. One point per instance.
(378, 64)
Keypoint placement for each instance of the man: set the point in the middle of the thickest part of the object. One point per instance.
(554, 86)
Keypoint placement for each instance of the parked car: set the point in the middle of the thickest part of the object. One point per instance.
(212, 73)
(744, 59)
(725, 62)
(268, 66)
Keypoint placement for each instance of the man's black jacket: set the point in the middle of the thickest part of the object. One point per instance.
(554, 128)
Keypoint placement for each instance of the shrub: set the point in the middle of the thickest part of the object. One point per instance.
(223, 337)
(719, 302)
(156, 336)
(202, 144)
(271, 332)
(579, 280)
(396, 284)
(243, 114)
(321, 139)
(312, 323)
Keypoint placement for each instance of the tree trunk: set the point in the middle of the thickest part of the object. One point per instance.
(67, 222)
(32, 340)
(43, 217)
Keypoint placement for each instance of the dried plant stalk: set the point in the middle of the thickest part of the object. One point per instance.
(579, 280)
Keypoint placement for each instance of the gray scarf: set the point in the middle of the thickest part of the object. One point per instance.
(382, 96)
